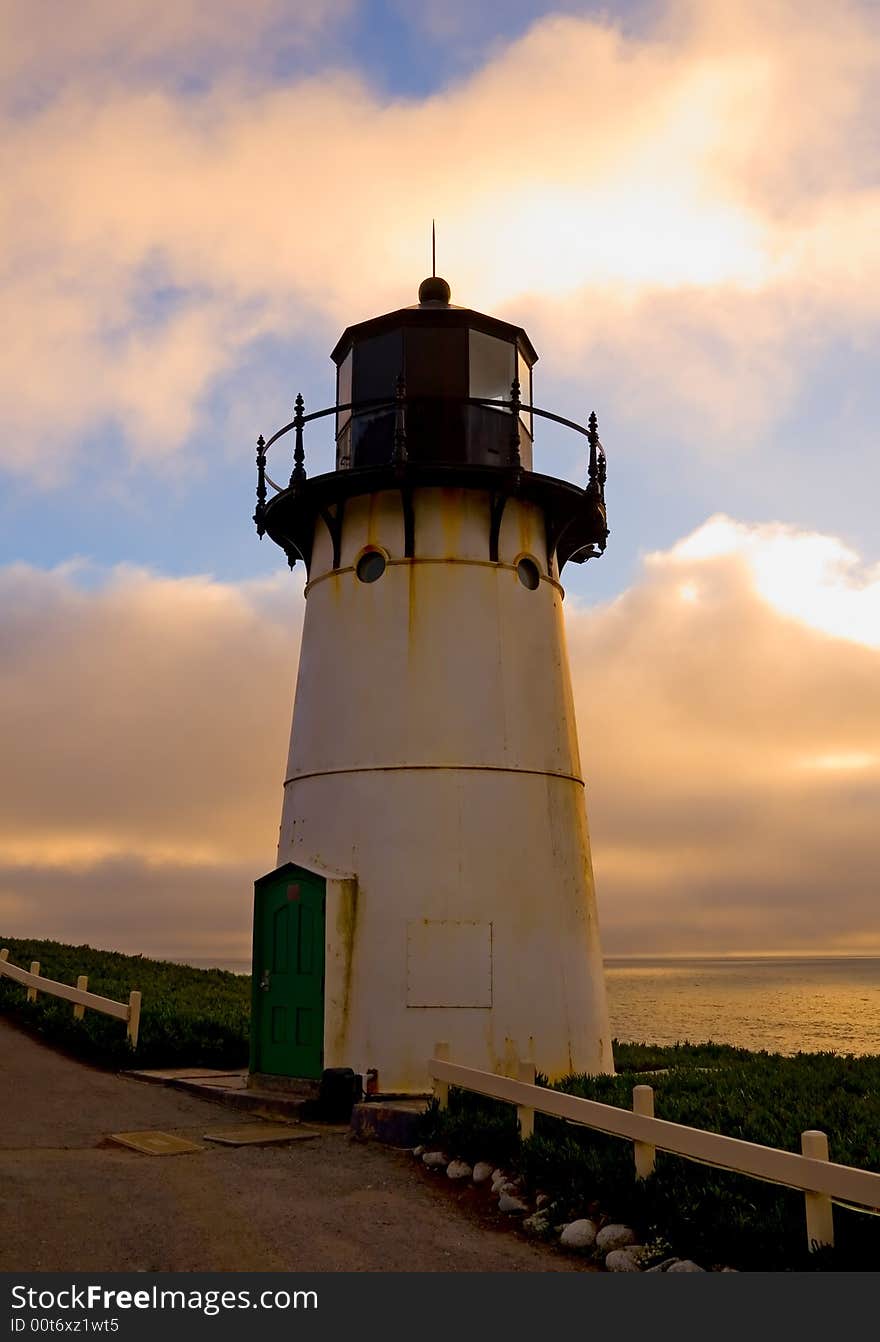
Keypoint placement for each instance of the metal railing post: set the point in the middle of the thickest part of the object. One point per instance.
(515, 407)
(399, 453)
(261, 486)
(298, 475)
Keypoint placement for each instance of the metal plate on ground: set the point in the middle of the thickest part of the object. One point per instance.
(257, 1134)
(155, 1143)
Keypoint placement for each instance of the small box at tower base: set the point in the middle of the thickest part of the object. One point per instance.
(434, 878)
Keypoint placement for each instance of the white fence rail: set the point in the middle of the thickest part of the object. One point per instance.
(129, 1011)
(811, 1172)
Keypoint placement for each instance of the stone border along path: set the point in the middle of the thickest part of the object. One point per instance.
(604, 1242)
(72, 1201)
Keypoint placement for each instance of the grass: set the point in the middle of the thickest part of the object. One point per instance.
(189, 1017)
(715, 1217)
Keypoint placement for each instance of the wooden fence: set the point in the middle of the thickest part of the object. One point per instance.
(129, 1011)
(810, 1172)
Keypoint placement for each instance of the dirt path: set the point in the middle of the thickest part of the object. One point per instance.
(73, 1202)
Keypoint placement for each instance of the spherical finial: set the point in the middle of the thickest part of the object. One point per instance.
(434, 290)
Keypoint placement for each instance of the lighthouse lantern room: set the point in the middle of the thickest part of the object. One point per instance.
(434, 878)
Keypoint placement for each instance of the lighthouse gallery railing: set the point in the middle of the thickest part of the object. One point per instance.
(597, 466)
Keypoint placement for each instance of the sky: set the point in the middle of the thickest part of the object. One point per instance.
(678, 199)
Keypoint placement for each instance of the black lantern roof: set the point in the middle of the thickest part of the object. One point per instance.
(425, 313)
(426, 395)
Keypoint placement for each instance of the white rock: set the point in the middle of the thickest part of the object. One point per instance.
(508, 1203)
(511, 1186)
(418, 1152)
(614, 1237)
(662, 1267)
(457, 1169)
(434, 1160)
(482, 1172)
(685, 1265)
(498, 1177)
(579, 1235)
(622, 1260)
(537, 1224)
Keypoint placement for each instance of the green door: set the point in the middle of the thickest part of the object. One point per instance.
(287, 1023)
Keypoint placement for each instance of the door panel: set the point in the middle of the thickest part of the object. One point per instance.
(287, 1026)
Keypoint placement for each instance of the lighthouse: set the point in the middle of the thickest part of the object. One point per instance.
(433, 878)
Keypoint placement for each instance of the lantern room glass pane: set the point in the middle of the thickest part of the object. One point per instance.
(491, 366)
(436, 361)
(524, 373)
(378, 365)
(343, 392)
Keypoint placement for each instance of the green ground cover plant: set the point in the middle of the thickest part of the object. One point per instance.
(189, 1017)
(715, 1217)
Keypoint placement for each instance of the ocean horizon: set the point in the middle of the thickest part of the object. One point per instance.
(783, 1003)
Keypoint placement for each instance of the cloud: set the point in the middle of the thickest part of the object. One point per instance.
(691, 208)
(731, 748)
(46, 46)
(145, 718)
(729, 710)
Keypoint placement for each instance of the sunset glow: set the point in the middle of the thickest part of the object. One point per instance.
(677, 200)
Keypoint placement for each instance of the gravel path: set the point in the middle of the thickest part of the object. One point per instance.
(74, 1202)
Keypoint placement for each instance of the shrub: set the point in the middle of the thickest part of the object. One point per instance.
(189, 1017)
(713, 1216)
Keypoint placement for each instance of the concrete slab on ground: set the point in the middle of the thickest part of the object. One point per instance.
(162, 1075)
(236, 1089)
(238, 1095)
(391, 1121)
(155, 1143)
(222, 1083)
(258, 1134)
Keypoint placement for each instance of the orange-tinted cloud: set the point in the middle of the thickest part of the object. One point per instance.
(731, 749)
(145, 738)
(731, 738)
(694, 210)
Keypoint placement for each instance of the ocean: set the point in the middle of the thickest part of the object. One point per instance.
(786, 1004)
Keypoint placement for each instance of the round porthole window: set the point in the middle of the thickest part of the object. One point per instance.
(527, 572)
(370, 566)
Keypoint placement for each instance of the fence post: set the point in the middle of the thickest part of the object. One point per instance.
(4, 954)
(441, 1088)
(645, 1153)
(78, 1009)
(526, 1116)
(134, 1017)
(820, 1217)
(32, 992)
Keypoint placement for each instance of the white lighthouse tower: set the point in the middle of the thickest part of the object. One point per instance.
(434, 877)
